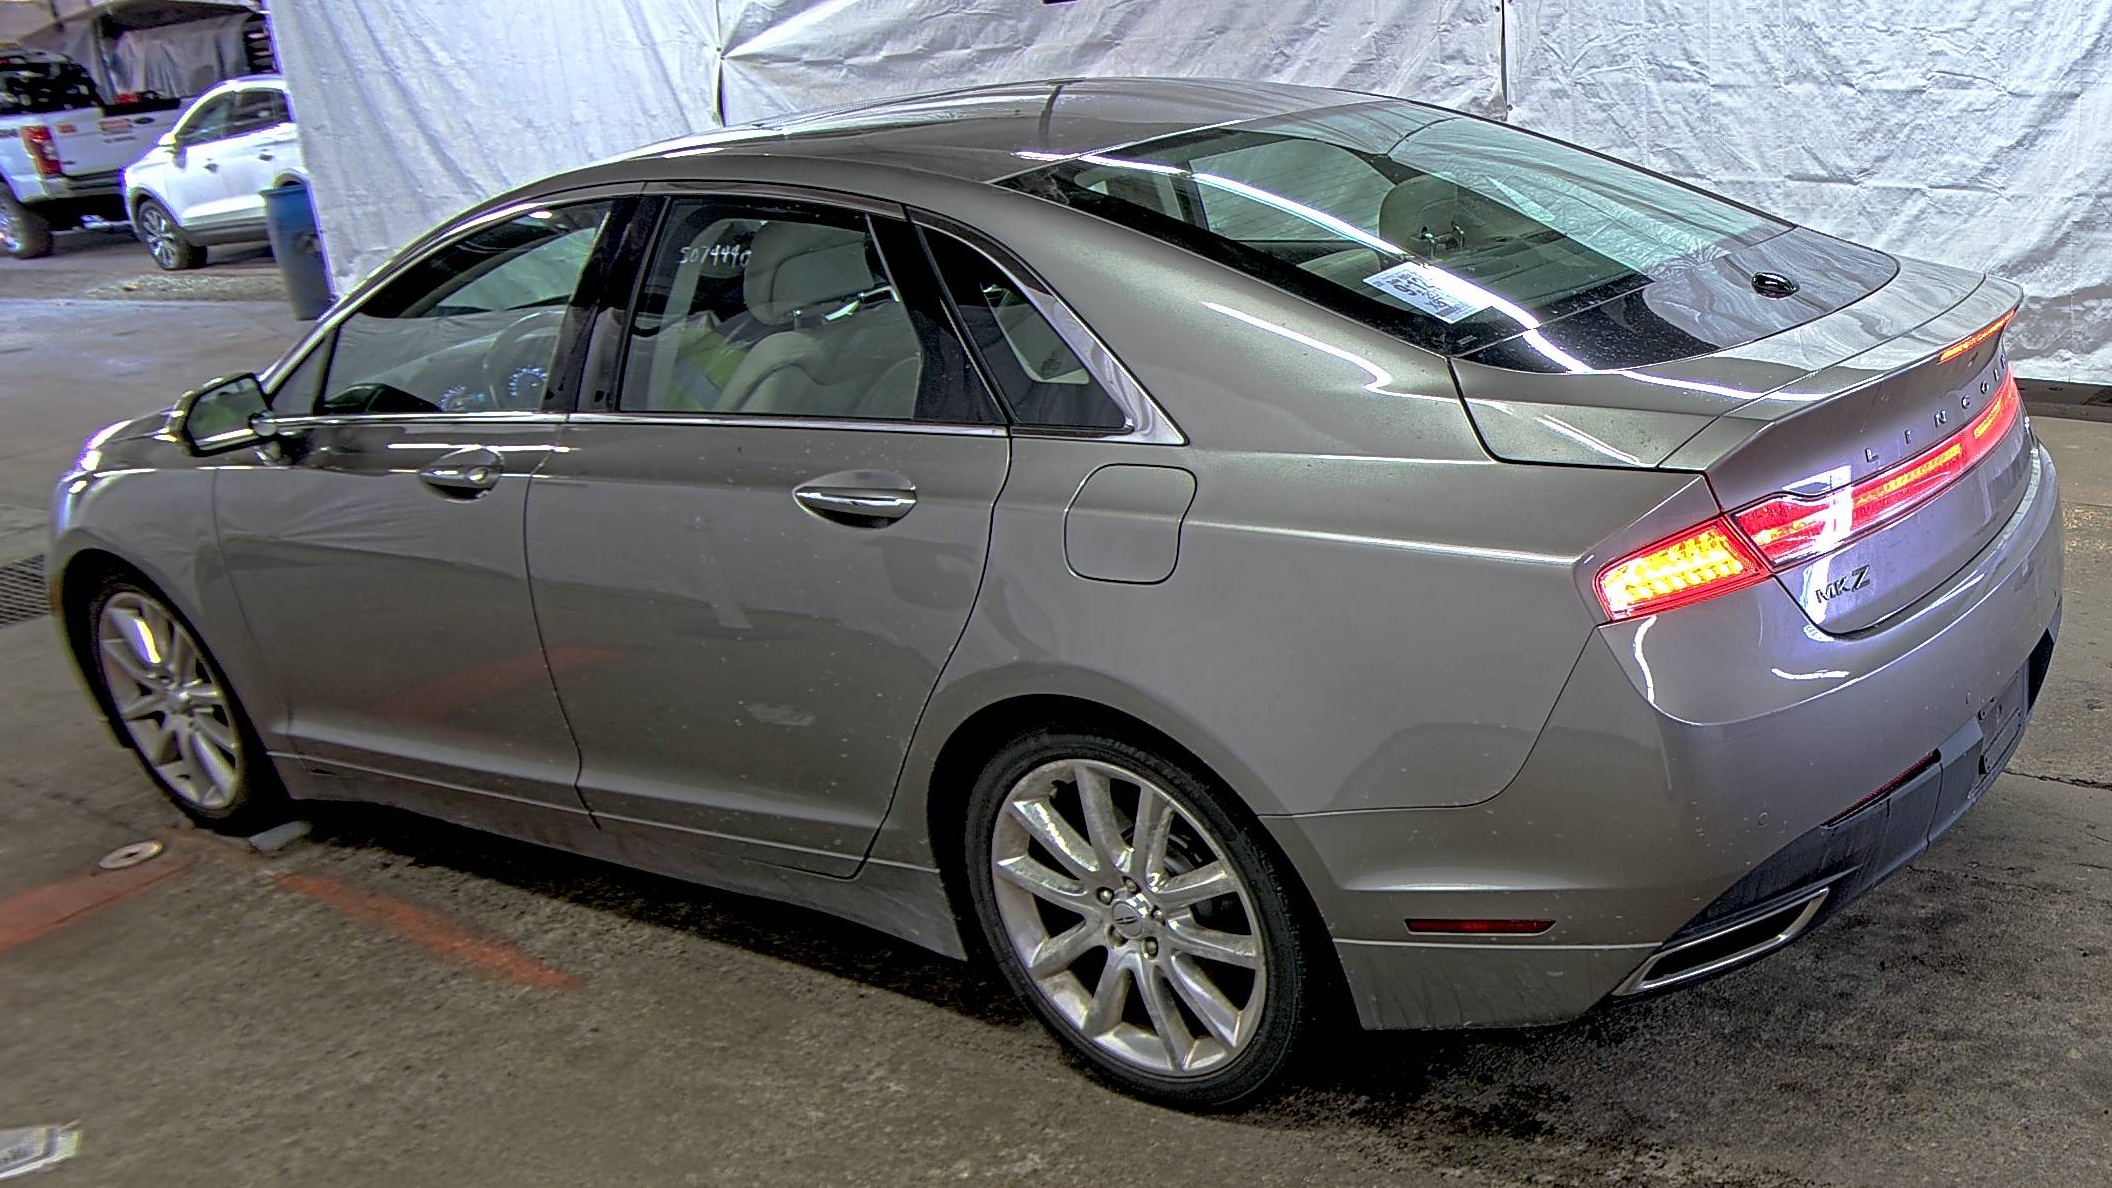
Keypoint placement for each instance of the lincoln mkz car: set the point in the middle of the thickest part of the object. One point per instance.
(1234, 553)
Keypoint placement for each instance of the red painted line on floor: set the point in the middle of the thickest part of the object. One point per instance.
(44, 910)
(431, 931)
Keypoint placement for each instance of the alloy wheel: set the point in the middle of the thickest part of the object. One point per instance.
(160, 234)
(169, 700)
(1128, 917)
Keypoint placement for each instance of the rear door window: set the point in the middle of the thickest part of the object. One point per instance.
(258, 110)
(766, 308)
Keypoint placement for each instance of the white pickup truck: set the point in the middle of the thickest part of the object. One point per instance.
(62, 152)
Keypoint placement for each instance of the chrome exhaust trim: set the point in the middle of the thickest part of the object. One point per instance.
(1770, 932)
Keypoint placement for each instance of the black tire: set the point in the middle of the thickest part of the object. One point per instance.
(258, 799)
(164, 237)
(1267, 911)
(24, 234)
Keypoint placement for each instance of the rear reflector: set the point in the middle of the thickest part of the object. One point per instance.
(1893, 785)
(36, 138)
(1965, 345)
(1481, 927)
(1788, 529)
(1701, 563)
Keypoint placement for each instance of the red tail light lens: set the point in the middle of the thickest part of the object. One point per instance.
(1788, 529)
(36, 138)
(1701, 563)
(1965, 345)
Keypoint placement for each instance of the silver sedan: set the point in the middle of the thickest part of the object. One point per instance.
(1235, 553)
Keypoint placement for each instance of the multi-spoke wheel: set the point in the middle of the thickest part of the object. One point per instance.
(165, 242)
(175, 709)
(1136, 917)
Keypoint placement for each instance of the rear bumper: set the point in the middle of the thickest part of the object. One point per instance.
(1696, 775)
(71, 188)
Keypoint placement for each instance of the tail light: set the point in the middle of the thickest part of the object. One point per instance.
(1700, 563)
(43, 151)
(1755, 542)
(1789, 528)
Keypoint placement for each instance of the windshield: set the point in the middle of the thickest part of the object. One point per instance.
(1448, 231)
(39, 86)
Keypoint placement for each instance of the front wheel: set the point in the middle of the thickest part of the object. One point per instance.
(164, 239)
(177, 713)
(1138, 919)
(24, 234)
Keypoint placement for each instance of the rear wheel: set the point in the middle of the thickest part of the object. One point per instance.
(164, 239)
(1137, 918)
(24, 234)
(175, 710)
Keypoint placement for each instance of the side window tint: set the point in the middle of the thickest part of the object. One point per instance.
(1043, 380)
(257, 111)
(208, 122)
(473, 327)
(756, 308)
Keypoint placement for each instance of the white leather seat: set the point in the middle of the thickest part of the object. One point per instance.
(837, 355)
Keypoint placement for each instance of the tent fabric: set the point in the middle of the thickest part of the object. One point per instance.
(1975, 132)
(181, 60)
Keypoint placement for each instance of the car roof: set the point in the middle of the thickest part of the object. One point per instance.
(991, 132)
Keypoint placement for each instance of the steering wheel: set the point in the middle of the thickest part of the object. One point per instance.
(517, 367)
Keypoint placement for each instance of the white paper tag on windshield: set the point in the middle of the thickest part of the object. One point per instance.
(1419, 286)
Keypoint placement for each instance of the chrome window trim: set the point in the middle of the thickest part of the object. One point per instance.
(324, 420)
(1147, 422)
(736, 421)
(814, 195)
(417, 252)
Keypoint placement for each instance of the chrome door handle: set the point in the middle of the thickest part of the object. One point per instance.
(858, 498)
(469, 471)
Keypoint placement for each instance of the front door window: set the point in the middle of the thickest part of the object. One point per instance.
(473, 327)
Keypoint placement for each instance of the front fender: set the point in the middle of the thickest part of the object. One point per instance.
(148, 505)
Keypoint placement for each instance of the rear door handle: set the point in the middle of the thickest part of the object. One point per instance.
(858, 498)
(212, 166)
(264, 156)
(469, 471)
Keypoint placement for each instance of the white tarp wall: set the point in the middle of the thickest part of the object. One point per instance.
(1975, 132)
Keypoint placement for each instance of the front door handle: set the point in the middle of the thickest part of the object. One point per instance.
(469, 471)
(212, 166)
(858, 498)
(264, 157)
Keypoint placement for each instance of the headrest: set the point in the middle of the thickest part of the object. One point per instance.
(793, 266)
(1424, 200)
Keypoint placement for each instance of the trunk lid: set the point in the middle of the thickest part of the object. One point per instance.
(1816, 407)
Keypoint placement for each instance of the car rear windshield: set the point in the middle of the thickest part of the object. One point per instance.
(40, 86)
(1448, 231)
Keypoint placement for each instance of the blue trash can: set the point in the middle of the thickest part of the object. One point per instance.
(289, 218)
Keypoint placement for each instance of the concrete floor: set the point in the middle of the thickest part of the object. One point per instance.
(398, 1002)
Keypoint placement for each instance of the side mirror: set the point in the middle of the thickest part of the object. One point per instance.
(223, 414)
(167, 141)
